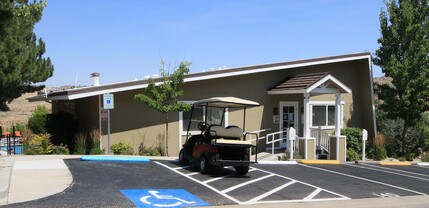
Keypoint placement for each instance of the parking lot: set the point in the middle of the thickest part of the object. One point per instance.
(113, 184)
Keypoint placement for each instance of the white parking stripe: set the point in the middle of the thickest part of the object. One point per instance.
(215, 179)
(312, 195)
(184, 167)
(246, 183)
(210, 187)
(270, 192)
(342, 196)
(257, 199)
(364, 179)
(191, 174)
(392, 171)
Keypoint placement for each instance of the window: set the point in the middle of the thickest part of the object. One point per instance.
(214, 116)
(324, 115)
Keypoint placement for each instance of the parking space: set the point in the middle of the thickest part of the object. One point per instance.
(300, 183)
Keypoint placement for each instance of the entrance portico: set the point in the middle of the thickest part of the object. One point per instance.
(309, 85)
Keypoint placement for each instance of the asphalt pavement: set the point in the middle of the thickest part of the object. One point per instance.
(66, 181)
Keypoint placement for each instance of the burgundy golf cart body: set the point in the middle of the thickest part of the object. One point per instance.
(217, 145)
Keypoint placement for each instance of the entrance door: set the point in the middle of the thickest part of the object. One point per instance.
(288, 118)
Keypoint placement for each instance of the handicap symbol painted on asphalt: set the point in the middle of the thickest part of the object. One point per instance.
(163, 198)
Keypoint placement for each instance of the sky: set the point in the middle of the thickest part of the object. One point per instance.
(126, 40)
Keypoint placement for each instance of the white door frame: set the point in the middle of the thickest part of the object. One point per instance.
(296, 117)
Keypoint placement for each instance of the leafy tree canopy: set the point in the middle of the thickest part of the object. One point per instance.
(21, 54)
(163, 97)
(403, 56)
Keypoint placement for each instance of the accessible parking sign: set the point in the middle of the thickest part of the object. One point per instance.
(163, 198)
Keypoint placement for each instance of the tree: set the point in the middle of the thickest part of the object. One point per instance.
(164, 97)
(21, 55)
(403, 56)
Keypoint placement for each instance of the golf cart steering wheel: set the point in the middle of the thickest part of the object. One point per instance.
(203, 126)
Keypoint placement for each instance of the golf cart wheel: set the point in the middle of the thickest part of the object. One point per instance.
(241, 170)
(182, 158)
(204, 165)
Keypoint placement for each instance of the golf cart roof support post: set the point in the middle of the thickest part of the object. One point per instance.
(222, 123)
(189, 124)
(205, 113)
(244, 120)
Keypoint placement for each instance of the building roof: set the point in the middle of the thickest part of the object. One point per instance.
(310, 83)
(140, 84)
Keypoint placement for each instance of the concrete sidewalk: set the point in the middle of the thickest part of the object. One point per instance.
(25, 178)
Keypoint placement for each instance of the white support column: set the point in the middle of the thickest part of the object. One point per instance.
(337, 122)
(306, 121)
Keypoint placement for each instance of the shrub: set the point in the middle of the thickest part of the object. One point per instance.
(37, 120)
(151, 151)
(38, 145)
(63, 127)
(60, 150)
(80, 144)
(122, 149)
(425, 157)
(352, 155)
(410, 156)
(354, 138)
(95, 138)
(380, 152)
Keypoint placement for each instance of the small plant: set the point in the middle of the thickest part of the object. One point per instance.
(95, 137)
(38, 145)
(80, 144)
(379, 151)
(122, 149)
(402, 159)
(354, 138)
(60, 150)
(425, 157)
(286, 156)
(410, 156)
(352, 155)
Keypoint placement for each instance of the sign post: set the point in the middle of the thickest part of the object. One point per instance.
(108, 103)
(291, 136)
(364, 138)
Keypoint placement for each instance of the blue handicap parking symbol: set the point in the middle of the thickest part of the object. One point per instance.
(163, 198)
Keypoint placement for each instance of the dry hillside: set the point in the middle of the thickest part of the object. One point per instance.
(20, 111)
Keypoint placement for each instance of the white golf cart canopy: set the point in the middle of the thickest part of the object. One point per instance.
(225, 102)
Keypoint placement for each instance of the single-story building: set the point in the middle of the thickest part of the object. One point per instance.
(304, 94)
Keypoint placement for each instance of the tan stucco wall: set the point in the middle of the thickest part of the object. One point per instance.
(133, 122)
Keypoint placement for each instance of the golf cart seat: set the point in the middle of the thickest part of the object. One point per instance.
(230, 135)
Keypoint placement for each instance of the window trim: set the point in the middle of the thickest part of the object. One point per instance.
(326, 104)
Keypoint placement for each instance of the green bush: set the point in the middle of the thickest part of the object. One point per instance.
(402, 159)
(286, 156)
(152, 151)
(37, 120)
(410, 156)
(122, 149)
(352, 155)
(60, 150)
(379, 151)
(38, 145)
(354, 138)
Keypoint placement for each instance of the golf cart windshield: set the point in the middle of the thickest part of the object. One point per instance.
(211, 111)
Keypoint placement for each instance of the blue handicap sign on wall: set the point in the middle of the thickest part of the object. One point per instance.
(163, 198)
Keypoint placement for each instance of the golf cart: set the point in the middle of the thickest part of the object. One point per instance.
(215, 145)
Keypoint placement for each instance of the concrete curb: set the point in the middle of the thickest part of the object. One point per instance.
(5, 174)
(268, 162)
(388, 163)
(423, 164)
(320, 162)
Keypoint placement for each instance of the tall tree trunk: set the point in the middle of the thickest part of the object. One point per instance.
(166, 134)
(404, 134)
